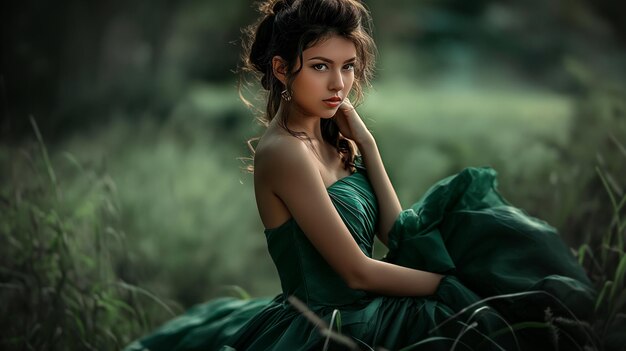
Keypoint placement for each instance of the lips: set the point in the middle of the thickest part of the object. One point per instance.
(333, 102)
(334, 99)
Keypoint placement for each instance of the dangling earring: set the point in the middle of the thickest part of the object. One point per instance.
(286, 95)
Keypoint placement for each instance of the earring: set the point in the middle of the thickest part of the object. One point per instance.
(285, 94)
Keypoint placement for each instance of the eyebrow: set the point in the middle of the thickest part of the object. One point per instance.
(329, 60)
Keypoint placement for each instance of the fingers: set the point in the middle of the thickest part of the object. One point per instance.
(346, 106)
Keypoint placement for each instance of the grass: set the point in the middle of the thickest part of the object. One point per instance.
(58, 274)
(551, 323)
(99, 233)
(600, 208)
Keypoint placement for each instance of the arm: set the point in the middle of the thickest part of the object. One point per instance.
(388, 202)
(352, 127)
(293, 176)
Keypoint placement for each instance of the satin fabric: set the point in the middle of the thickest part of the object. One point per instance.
(462, 228)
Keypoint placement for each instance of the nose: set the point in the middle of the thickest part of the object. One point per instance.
(336, 81)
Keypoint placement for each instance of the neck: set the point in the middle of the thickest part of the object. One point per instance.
(300, 122)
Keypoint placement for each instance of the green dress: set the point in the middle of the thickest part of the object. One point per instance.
(522, 287)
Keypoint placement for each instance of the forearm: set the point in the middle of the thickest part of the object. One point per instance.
(389, 279)
(388, 203)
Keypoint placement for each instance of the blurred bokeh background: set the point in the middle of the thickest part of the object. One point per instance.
(123, 197)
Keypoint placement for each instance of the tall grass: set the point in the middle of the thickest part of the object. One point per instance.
(605, 263)
(186, 206)
(60, 257)
(598, 213)
(588, 191)
(65, 261)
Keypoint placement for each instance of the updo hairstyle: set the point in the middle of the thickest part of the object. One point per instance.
(288, 27)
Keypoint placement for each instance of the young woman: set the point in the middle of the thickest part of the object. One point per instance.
(462, 265)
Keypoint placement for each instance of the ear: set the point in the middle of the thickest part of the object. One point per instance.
(279, 68)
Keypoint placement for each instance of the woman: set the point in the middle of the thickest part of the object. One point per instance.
(463, 265)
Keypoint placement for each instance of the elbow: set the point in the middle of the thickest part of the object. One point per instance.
(358, 279)
(355, 283)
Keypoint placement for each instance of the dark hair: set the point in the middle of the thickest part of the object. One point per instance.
(288, 27)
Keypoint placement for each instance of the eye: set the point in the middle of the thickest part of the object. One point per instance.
(320, 67)
(349, 66)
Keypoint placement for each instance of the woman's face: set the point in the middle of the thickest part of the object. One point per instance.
(327, 72)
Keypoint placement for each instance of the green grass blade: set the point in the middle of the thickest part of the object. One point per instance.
(618, 280)
(433, 339)
(148, 294)
(581, 253)
(46, 158)
(239, 291)
(606, 187)
(519, 326)
(332, 322)
(605, 288)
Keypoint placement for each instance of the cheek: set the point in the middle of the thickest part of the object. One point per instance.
(304, 90)
(350, 82)
(302, 82)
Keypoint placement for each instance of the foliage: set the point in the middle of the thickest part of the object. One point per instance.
(187, 207)
(61, 252)
(592, 202)
(599, 219)
(140, 186)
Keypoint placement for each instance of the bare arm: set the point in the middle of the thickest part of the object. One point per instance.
(351, 126)
(292, 174)
(388, 203)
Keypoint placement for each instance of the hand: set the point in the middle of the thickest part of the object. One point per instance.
(350, 123)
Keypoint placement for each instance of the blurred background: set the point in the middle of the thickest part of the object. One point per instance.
(123, 196)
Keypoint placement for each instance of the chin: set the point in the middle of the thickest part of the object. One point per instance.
(321, 113)
(328, 113)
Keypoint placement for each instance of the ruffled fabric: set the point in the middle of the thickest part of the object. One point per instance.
(509, 281)
(463, 227)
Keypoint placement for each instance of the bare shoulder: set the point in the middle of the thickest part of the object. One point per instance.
(284, 173)
(279, 156)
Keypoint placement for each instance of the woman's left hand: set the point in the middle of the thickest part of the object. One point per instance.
(350, 123)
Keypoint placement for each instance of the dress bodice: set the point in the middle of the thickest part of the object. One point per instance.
(302, 270)
(461, 227)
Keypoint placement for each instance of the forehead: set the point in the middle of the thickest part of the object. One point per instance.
(335, 47)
